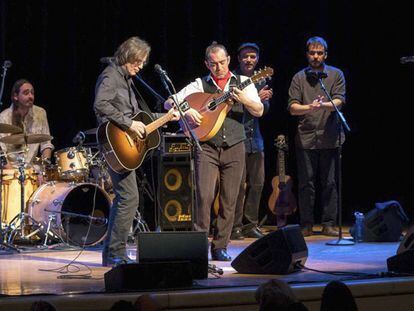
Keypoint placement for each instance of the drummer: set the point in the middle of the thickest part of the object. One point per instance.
(20, 139)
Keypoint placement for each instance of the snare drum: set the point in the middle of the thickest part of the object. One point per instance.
(11, 192)
(77, 213)
(72, 164)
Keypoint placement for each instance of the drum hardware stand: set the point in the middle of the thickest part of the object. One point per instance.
(22, 216)
(102, 221)
(2, 235)
(140, 223)
(51, 217)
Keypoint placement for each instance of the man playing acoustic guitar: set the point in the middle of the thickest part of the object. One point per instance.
(116, 102)
(223, 154)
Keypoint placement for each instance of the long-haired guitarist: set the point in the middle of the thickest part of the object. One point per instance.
(116, 101)
(223, 153)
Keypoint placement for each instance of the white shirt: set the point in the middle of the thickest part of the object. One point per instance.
(197, 86)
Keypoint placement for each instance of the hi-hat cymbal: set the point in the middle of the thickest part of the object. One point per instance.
(91, 131)
(21, 139)
(8, 128)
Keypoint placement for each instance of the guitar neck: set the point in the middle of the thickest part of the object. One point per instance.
(281, 164)
(227, 94)
(159, 122)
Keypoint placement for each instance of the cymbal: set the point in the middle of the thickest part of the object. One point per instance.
(21, 139)
(8, 128)
(91, 131)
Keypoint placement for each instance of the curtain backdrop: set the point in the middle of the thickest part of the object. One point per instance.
(57, 45)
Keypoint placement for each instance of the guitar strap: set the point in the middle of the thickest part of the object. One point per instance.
(141, 102)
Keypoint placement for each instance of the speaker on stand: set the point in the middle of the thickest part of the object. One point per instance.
(175, 184)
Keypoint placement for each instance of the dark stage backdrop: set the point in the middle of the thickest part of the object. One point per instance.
(58, 44)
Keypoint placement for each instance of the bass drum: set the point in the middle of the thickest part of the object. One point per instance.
(78, 213)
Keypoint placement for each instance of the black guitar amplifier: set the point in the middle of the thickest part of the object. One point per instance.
(173, 144)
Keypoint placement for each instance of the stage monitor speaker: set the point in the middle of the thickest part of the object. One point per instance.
(403, 261)
(279, 252)
(384, 223)
(149, 276)
(408, 241)
(175, 246)
(174, 188)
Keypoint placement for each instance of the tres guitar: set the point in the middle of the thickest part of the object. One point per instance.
(282, 202)
(123, 150)
(214, 107)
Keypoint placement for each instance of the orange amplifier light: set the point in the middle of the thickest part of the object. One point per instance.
(175, 144)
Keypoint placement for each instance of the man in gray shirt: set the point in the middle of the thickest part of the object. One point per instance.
(317, 138)
(115, 101)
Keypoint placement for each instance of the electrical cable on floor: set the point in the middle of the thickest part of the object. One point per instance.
(215, 271)
(66, 269)
(357, 275)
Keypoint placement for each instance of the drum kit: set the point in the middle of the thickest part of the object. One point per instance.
(41, 202)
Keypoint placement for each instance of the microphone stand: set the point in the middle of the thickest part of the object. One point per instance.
(341, 122)
(194, 141)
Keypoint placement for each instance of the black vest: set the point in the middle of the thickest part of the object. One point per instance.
(232, 130)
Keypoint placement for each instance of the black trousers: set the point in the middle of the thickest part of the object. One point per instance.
(317, 165)
(122, 214)
(225, 164)
(250, 192)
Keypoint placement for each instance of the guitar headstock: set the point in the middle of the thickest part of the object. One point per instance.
(281, 143)
(262, 74)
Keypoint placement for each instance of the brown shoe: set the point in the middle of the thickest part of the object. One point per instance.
(307, 230)
(329, 231)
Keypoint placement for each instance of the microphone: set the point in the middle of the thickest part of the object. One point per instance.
(7, 64)
(107, 60)
(316, 74)
(407, 59)
(79, 138)
(158, 69)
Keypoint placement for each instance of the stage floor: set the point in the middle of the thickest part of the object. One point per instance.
(77, 273)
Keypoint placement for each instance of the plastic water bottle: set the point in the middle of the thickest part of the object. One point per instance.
(359, 227)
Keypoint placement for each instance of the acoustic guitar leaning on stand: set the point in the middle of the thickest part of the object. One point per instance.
(282, 202)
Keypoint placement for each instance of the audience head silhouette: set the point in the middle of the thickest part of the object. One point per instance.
(277, 295)
(42, 305)
(122, 305)
(337, 296)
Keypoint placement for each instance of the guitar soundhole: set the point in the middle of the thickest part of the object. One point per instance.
(212, 105)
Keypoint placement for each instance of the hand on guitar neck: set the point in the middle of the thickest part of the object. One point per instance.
(282, 202)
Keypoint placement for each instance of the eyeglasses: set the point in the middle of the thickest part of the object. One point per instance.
(139, 62)
(320, 53)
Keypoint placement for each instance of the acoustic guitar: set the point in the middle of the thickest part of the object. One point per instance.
(123, 150)
(282, 202)
(214, 107)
